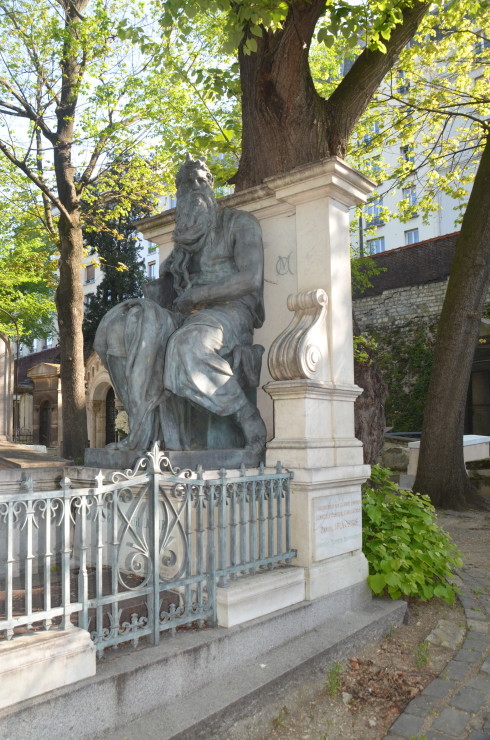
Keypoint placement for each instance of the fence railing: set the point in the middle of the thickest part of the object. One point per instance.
(139, 554)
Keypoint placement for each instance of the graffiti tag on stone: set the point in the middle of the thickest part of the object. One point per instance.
(283, 265)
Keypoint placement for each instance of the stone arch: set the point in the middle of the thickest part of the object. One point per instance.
(98, 385)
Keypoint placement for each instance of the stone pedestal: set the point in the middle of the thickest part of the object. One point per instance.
(314, 437)
(313, 392)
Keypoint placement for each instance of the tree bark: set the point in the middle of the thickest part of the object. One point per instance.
(285, 122)
(369, 408)
(69, 303)
(441, 470)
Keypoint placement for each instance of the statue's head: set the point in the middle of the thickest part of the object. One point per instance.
(196, 210)
(193, 171)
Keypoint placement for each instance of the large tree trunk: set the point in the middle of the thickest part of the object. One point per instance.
(69, 294)
(441, 471)
(283, 117)
(69, 303)
(286, 123)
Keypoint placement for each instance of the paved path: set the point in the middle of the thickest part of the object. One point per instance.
(457, 703)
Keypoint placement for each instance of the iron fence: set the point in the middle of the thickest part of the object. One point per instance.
(23, 436)
(139, 554)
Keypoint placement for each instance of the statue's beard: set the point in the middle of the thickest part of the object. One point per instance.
(196, 215)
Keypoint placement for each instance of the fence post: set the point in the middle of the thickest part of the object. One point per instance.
(213, 617)
(154, 511)
(66, 555)
(222, 527)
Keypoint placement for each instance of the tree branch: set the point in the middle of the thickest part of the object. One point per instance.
(98, 149)
(31, 51)
(30, 113)
(357, 88)
(39, 164)
(35, 179)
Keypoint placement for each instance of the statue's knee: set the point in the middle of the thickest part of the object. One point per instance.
(186, 342)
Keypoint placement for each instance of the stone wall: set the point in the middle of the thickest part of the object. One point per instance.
(401, 305)
(400, 312)
(411, 285)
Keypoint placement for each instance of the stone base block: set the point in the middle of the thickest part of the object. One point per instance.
(209, 459)
(256, 596)
(41, 661)
(475, 447)
(335, 574)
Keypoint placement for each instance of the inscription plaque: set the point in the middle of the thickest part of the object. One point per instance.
(338, 525)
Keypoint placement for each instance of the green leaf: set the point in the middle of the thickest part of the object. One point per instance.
(377, 583)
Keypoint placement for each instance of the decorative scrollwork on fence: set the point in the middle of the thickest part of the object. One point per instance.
(142, 553)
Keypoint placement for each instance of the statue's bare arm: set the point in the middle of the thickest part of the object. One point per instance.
(249, 259)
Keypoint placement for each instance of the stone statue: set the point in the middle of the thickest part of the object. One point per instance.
(184, 351)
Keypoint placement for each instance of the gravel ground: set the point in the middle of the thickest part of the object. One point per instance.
(363, 697)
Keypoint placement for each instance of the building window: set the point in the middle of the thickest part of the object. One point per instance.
(152, 270)
(480, 46)
(375, 246)
(402, 83)
(376, 165)
(48, 342)
(374, 209)
(411, 236)
(407, 153)
(373, 130)
(410, 195)
(90, 274)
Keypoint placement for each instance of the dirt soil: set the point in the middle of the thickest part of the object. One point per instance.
(362, 697)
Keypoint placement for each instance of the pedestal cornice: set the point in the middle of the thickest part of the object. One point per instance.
(312, 389)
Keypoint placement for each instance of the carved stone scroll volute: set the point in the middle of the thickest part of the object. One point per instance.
(301, 350)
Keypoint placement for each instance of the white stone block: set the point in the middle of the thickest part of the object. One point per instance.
(255, 596)
(42, 661)
(475, 447)
(336, 573)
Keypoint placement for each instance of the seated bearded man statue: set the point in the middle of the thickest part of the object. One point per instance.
(188, 343)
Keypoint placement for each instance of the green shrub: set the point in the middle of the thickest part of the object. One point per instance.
(408, 553)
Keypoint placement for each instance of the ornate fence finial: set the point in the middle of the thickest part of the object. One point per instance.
(301, 350)
(27, 483)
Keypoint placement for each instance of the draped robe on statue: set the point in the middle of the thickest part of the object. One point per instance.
(160, 359)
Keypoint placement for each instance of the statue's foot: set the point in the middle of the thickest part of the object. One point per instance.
(252, 426)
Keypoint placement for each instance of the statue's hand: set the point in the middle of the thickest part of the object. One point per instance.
(186, 301)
